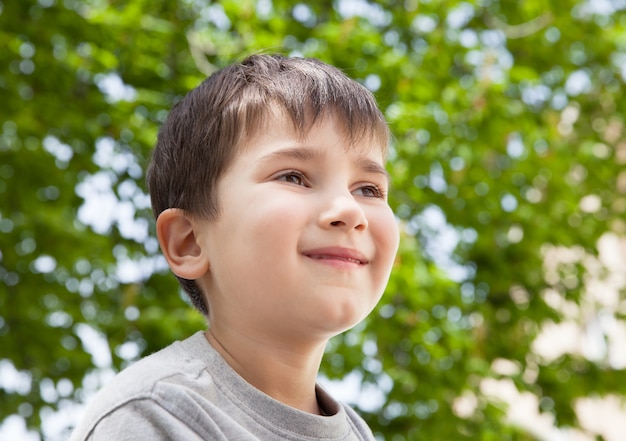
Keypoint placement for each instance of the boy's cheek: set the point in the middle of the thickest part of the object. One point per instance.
(283, 210)
(386, 226)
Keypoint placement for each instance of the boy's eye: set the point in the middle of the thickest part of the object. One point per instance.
(370, 191)
(292, 177)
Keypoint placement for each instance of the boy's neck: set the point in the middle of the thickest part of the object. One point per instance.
(286, 374)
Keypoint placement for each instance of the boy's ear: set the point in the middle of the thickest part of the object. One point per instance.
(178, 243)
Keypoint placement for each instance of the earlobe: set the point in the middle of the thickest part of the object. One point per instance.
(177, 238)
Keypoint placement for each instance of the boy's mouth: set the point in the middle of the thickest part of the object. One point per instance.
(338, 254)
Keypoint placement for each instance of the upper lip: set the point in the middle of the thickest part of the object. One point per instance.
(348, 254)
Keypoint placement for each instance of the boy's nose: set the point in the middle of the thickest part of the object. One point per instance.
(344, 211)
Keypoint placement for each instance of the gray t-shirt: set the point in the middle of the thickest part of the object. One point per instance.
(188, 392)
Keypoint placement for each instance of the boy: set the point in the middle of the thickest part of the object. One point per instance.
(269, 188)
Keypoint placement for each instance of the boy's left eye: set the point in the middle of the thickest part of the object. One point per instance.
(370, 191)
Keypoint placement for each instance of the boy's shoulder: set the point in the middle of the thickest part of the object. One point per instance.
(175, 365)
(140, 378)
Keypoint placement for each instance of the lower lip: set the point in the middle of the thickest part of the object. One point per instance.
(337, 263)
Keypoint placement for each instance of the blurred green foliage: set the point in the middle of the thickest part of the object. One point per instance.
(509, 142)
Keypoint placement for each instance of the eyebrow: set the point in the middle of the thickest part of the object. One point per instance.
(373, 167)
(299, 153)
(305, 154)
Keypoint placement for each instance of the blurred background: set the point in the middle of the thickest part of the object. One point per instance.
(505, 315)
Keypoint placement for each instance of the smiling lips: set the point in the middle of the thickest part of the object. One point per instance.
(337, 256)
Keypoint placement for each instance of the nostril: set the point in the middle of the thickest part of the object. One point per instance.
(335, 223)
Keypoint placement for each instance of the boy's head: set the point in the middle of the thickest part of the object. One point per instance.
(206, 129)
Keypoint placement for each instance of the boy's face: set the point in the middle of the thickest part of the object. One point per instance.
(305, 240)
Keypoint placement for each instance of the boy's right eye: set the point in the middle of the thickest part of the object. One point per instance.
(292, 177)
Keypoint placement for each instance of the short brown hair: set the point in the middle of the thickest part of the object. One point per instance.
(200, 137)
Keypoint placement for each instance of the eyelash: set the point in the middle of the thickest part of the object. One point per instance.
(378, 193)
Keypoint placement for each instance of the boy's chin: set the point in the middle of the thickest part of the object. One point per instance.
(342, 319)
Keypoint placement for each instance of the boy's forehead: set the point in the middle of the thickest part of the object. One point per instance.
(362, 143)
